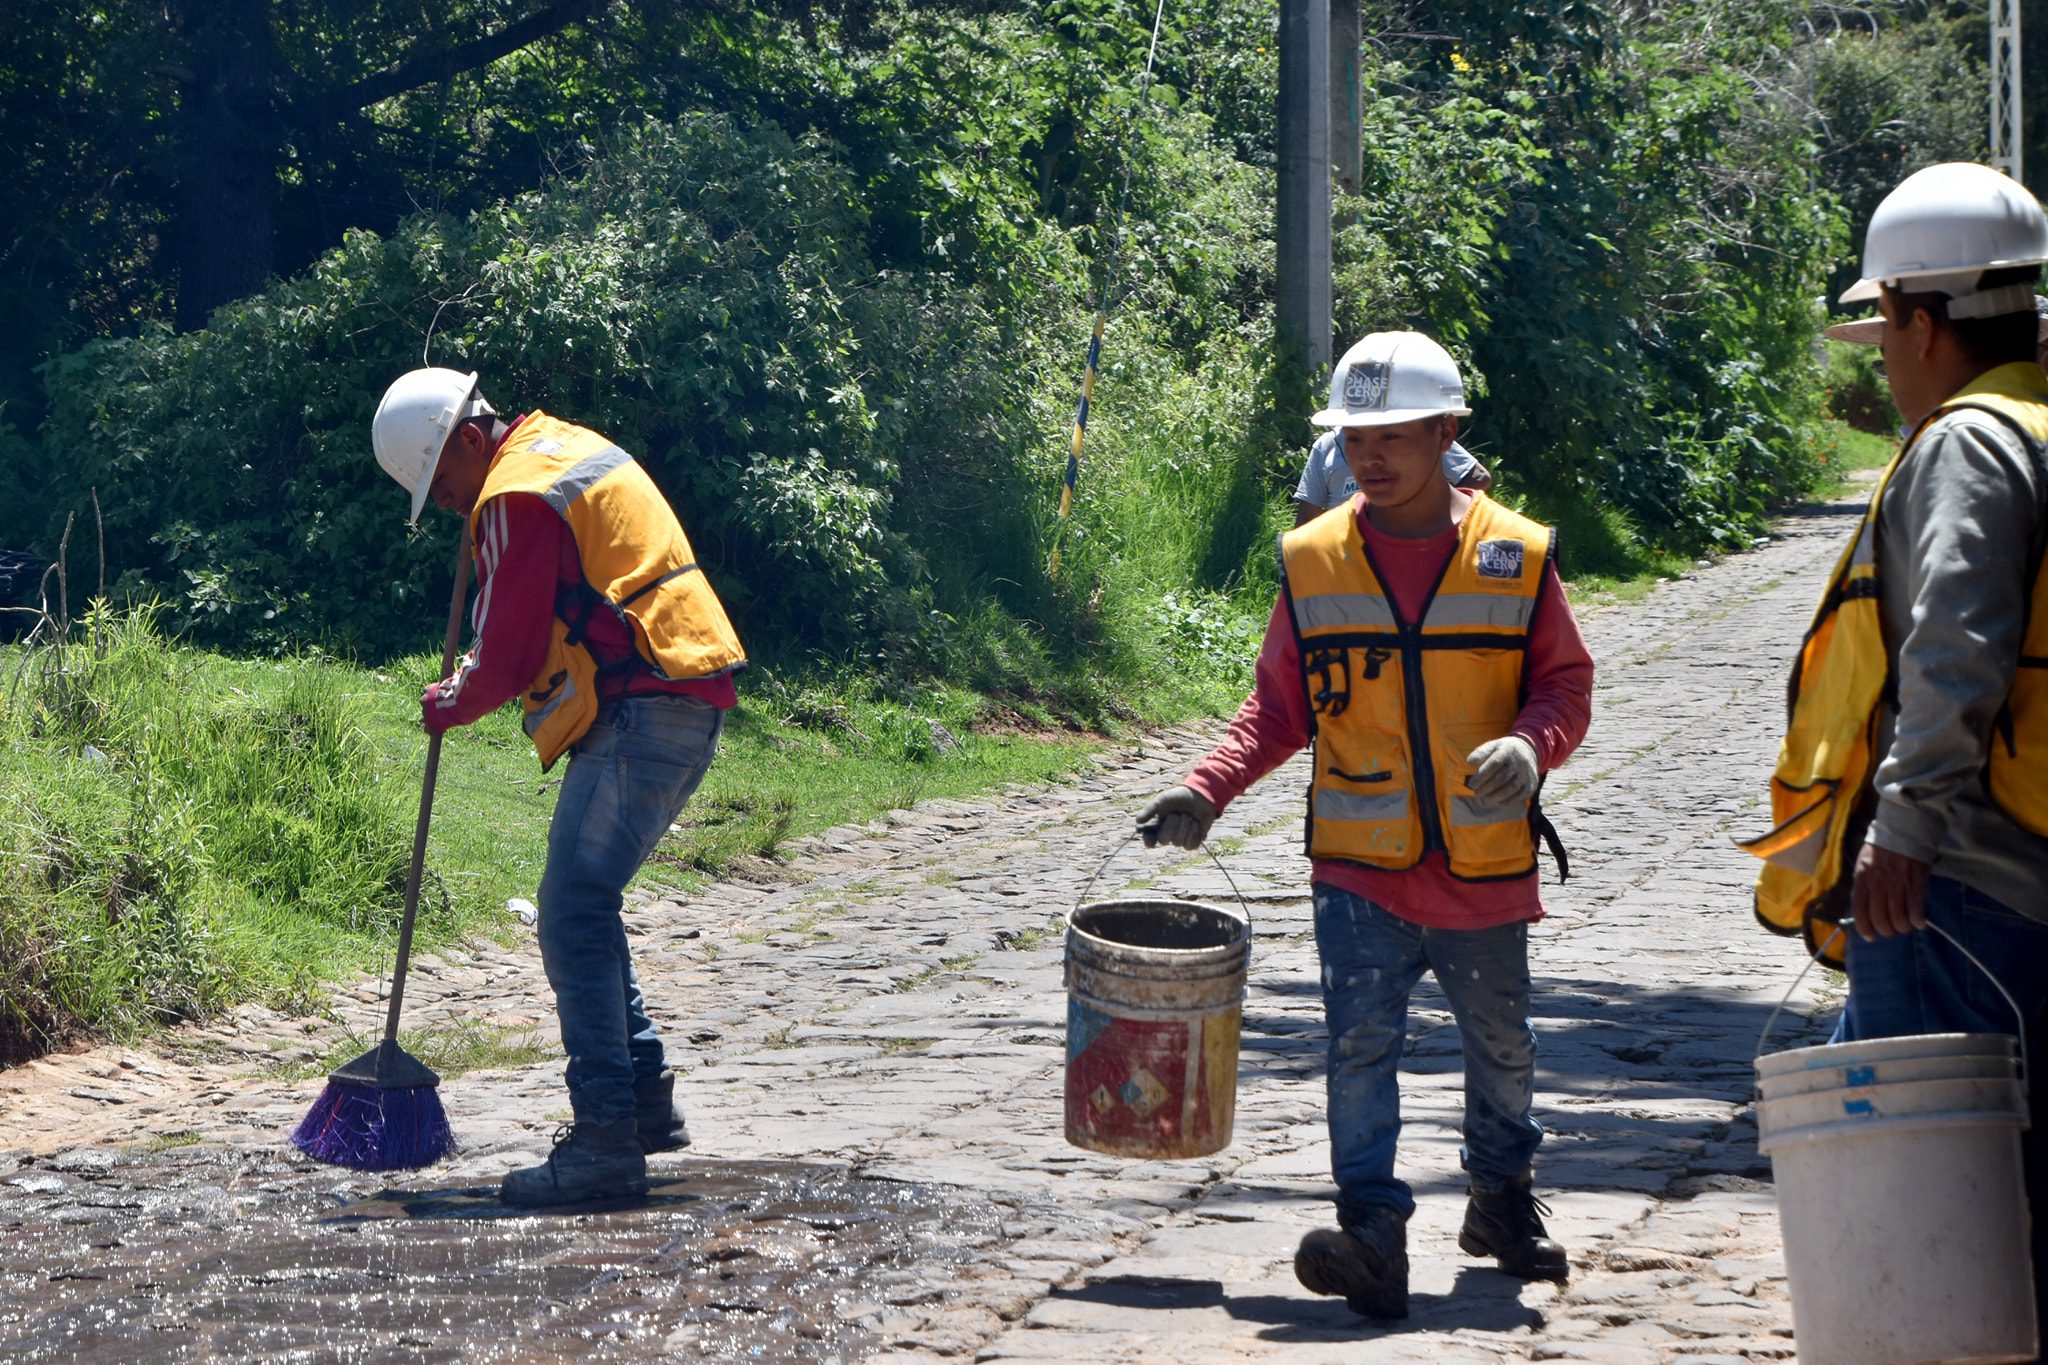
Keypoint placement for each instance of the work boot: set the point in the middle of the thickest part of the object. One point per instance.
(657, 1116)
(1366, 1263)
(590, 1161)
(1507, 1224)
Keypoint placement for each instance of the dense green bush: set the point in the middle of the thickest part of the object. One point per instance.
(844, 331)
(1610, 217)
(829, 431)
(1856, 389)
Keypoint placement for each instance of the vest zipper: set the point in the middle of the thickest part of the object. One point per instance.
(1419, 759)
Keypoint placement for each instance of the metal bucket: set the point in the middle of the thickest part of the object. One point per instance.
(1155, 992)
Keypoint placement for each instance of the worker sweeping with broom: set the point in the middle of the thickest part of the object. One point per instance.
(592, 609)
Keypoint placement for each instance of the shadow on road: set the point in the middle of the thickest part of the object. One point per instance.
(1635, 1085)
(1480, 1300)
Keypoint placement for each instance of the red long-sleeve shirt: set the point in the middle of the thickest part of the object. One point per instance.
(1273, 724)
(526, 556)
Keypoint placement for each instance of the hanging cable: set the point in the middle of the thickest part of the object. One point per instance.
(1104, 299)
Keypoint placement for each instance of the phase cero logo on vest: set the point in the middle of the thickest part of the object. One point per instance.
(1500, 559)
(1366, 384)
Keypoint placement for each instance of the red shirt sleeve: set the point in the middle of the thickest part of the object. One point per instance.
(1269, 728)
(519, 543)
(1559, 706)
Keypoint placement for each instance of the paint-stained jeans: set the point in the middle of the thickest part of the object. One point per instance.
(1372, 959)
(628, 778)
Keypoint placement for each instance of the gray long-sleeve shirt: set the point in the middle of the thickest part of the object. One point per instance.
(1955, 534)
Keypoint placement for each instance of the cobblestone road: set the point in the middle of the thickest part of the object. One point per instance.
(891, 1018)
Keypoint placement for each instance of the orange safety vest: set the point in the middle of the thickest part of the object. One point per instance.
(1396, 706)
(1822, 797)
(637, 563)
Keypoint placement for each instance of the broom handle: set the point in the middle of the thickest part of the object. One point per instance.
(419, 834)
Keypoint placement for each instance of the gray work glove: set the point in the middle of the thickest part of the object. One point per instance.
(1504, 771)
(1183, 816)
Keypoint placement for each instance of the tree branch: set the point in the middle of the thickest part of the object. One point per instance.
(545, 22)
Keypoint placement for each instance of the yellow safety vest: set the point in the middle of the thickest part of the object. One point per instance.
(1396, 706)
(1822, 798)
(637, 563)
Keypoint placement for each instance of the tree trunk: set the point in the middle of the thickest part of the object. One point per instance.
(229, 139)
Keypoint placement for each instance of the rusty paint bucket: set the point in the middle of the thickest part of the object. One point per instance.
(1155, 990)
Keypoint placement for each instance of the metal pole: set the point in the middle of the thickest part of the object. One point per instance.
(1302, 215)
(1347, 152)
(2005, 87)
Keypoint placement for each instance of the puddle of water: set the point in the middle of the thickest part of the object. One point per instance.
(200, 1255)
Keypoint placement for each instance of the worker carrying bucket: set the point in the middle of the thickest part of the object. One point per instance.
(1422, 643)
(1912, 788)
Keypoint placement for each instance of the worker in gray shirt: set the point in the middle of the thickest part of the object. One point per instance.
(1958, 804)
(1326, 481)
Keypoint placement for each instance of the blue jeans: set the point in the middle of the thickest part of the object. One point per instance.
(1918, 983)
(1372, 960)
(628, 779)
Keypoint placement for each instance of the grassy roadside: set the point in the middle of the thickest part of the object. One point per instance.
(181, 831)
(1854, 452)
(783, 771)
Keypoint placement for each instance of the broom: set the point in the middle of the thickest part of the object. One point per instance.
(380, 1111)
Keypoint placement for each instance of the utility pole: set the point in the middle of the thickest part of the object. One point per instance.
(1302, 215)
(1347, 149)
(2005, 87)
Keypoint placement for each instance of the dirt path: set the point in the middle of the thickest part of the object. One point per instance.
(875, 1066)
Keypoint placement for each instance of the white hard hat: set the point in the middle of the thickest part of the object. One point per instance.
(1392, 377)
(413, 423)
(1946, 225)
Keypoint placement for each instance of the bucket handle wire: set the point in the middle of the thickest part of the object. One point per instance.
(1153, 830)
(1841, 928)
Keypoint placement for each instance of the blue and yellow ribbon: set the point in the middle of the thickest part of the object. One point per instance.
(1102, 306)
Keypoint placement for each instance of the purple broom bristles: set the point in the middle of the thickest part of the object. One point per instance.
(367, 1128)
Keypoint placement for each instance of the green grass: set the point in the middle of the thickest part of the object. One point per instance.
(789, 763)
(450, 1049)
(1605, 560)
(1847, 452)
(180, 832)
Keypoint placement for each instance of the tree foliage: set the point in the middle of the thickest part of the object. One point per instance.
(828, 271)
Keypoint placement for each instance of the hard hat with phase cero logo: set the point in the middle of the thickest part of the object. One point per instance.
(1392, 377)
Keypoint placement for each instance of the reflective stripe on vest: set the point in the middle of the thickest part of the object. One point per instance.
(1822, 798)
(1397, 708)
(582, 477)
(636, 562)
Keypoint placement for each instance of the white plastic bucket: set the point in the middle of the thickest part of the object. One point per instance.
(1887, 1061)
(1875, 1051)
(1903, 1210)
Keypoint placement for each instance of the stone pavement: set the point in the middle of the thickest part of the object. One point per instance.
(894, 1011)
